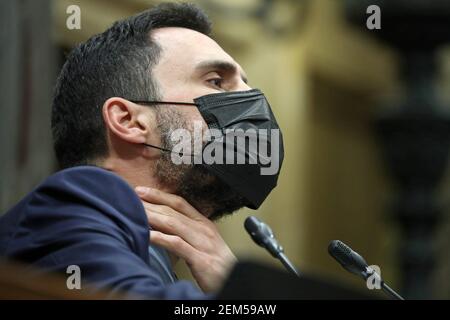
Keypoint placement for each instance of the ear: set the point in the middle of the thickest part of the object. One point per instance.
(126, 120)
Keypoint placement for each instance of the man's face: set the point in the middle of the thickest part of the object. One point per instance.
(193, 65)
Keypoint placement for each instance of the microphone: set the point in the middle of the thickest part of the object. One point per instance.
(354, 263)
(263, 236)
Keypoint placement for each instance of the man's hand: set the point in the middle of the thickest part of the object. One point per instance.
(182, 230)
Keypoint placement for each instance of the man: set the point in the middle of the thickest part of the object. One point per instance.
(118, 100)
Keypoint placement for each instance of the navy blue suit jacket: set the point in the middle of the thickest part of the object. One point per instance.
(90, 217)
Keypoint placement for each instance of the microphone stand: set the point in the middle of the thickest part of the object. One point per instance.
(287, 263)
(391, 292)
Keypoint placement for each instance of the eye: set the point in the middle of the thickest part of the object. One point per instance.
(216, 82)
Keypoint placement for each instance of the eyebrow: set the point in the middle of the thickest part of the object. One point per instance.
(221, 65)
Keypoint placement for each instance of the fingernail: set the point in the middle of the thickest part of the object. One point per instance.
(141, 190)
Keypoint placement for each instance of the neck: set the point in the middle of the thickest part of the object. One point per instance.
(136, 174)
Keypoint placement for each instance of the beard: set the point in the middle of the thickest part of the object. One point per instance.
(193, 182)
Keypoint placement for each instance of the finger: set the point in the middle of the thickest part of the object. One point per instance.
(175, 202)
(174, 244)
(151, 208)
(169, 221)
(170, 225)
(164, 210)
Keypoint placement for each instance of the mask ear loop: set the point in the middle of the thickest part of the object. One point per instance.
(152, 103)
(167, 150)
(159, 148)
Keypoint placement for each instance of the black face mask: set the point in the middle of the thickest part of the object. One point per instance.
(240, 115)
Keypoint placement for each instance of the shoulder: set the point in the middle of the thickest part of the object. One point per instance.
(85, 198)
(94, 179)
(91, 186)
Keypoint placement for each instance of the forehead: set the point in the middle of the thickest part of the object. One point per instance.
(185, 48)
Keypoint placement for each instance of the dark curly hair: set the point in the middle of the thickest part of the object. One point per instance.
(115, 63)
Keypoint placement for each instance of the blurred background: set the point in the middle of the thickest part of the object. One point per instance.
(364, 115)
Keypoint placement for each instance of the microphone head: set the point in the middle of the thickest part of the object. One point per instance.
(253, 226)
(347, 258)
(262, 235)
(251, 223)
